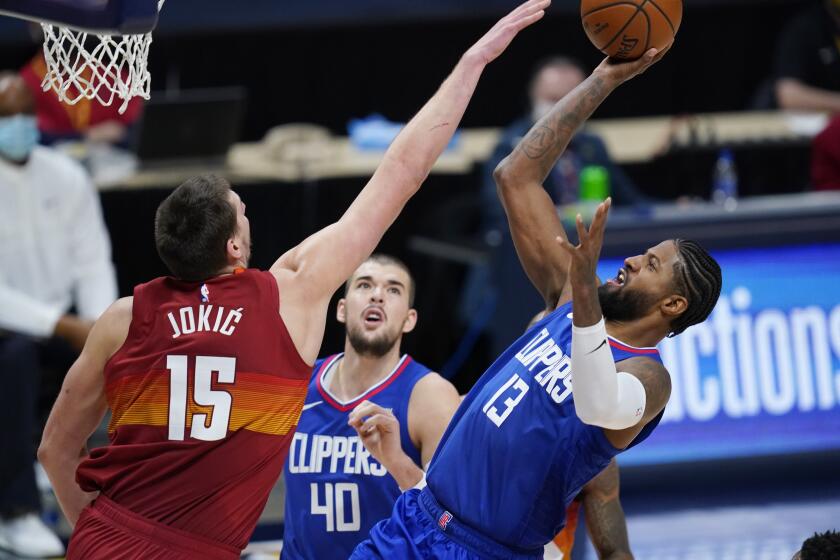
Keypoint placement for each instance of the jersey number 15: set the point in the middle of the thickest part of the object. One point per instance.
(203, 395)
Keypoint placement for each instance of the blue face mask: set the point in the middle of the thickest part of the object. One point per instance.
(18, 136)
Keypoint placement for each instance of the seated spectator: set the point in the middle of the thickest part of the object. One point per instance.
(807, 68)
(552, 80)
(87, 120)
(57, 258)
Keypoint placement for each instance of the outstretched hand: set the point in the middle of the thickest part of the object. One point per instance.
(379, 431)
(621, 71)
(495, 41)
(584, 256)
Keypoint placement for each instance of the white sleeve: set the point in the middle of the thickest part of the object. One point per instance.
(24, 314)
(603, 396)
(94, 278)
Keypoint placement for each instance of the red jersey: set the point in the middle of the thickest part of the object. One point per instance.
(205, 396)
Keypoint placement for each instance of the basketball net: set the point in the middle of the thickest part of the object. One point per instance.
(84, 65)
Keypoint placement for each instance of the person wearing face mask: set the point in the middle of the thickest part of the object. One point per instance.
(56, 258)
(807, 66)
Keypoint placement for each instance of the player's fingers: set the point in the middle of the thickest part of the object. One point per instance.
(529, 6)
(600, 218)
(358, 429)
(581, 230)
(647, 59)
(528, 20)
(371, 440)
(565, 245)
(662, 53)
(528, 9)
(364, 409)
(383, 421)
(524, 10)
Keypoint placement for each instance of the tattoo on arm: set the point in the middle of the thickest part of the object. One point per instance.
(547, 140)
(538, 141)
(656, 381)
(605, 517)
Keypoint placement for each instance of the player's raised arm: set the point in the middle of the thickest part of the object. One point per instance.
(313, 270)
(622, 402)
(533, 219)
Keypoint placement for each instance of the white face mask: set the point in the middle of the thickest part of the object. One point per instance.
(18, 136)
(541, 109)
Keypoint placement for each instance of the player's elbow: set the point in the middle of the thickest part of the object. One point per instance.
(50, 449)
(504, 176)
(593, 414)
(625, 412)
(45, 452)
(607, 419)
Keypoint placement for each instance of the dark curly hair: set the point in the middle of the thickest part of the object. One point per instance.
(822, 546)
(698, 278)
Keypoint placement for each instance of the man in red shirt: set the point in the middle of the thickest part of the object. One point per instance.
(86, 120)
(205, 372)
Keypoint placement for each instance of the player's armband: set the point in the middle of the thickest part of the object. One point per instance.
(603, 396)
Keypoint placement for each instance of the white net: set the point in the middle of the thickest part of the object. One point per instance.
(84, 65)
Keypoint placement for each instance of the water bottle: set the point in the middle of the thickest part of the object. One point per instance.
(725, 182)
(594, 183)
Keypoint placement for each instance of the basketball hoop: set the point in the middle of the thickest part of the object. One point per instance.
(96, 65)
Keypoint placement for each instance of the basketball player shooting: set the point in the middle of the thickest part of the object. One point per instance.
(522, 444)
(205, 371)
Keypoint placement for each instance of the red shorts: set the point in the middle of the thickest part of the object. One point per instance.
(109, 532)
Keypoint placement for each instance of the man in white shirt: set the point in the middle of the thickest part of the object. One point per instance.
(55, 256)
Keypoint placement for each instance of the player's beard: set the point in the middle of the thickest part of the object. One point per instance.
(375, 346)
(623, 305)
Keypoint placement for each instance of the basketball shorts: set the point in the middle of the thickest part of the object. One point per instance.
(108, 531)
(420, 528)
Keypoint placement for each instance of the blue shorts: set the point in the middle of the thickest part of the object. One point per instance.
(420, 528)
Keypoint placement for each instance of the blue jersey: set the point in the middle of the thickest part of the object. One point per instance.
(515, 454)
(335, 490)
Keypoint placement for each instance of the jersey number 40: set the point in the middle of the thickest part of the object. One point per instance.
(335, 508)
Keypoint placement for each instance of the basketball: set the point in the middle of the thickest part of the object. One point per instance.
(625, 30)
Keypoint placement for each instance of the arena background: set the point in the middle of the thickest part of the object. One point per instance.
(745, 465)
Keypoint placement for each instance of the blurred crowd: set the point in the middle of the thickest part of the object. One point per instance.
(58, 275)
